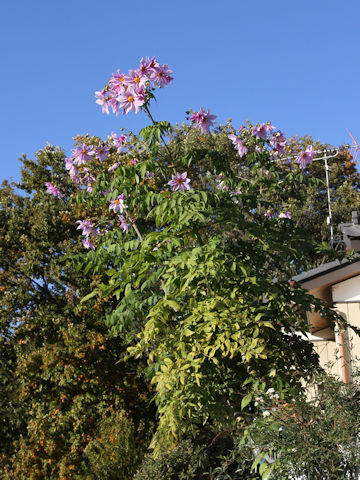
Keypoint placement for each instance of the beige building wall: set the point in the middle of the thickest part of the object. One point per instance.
(351, 313)
(346, 298)
(328, 353)
(338, 283)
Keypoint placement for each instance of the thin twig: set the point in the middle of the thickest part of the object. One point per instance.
(138, 233)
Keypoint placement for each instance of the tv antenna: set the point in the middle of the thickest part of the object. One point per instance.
(326, 155)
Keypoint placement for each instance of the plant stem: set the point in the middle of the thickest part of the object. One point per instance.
(137, 232)
(161, 135)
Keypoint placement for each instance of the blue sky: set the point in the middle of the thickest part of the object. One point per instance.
(295, 63)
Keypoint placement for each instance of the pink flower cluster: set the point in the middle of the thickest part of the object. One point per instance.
(118, 206)
(203, 120)
(269, 214)
(129, 92)
(264, 131)
(80, 156)
(88, 229)
(278, 141)
(50, 188)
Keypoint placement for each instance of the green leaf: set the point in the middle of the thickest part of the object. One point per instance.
(246, 400)
(172, 304)
(90, 295)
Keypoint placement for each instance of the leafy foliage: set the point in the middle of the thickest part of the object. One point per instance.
(200, 280)
(183, 297)
(62, 381)
(308, 439)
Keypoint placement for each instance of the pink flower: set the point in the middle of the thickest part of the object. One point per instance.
(135, 79)
(50, 188)
(285, 215)
(134, 161)
(131, 99)
(180, 182)
(114, 104)
(161, 75)
(117, 83)
(103, 101)
(278, 141)
(274, 154)
(238, 145)
(113, 167)
(118, 141)
(221, 185)
(118, 204)
(101, 152)
(89, 179)
(88, 244)
(267, 214)
(86, 226)
(123, 224)
(203, 120)
(261, 131)
(73, 171)
(306, 157)
(147, 66)
(82, 154)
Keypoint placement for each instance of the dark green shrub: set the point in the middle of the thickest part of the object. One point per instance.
(181, 463)
(118, 449)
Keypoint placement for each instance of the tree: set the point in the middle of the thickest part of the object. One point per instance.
(198, 245)
(309, 206)
(183, 296)
(62, 384)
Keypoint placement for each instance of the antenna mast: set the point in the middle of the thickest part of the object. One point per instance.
(325, 156)
(327, 170)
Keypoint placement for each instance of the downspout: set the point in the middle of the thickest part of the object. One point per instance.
(342, 357)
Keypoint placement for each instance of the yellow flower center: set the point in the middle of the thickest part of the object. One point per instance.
(130, 98)
(117, 201)
(137, 80)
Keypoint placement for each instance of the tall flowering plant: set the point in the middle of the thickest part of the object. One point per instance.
(189, 231)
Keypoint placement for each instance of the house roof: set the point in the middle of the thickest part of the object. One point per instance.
(351, 230)
(328, 273)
